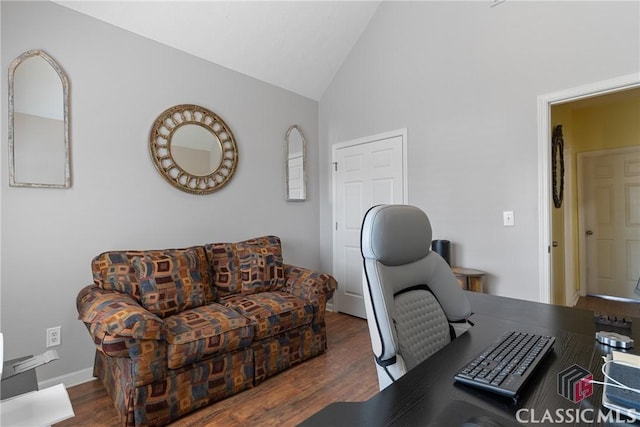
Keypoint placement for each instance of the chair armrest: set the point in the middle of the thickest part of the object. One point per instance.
(116, 314)
(310, 285)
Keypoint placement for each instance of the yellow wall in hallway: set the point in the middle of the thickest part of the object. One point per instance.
(607, 126)
(598, 123)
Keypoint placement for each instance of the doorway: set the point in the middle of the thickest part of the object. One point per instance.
(367, 172)
(562, 273)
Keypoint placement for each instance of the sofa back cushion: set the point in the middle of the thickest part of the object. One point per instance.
(113, 270)
(169, 284)
(247, 267)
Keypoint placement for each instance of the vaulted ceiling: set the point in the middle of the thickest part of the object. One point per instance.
(295, 45)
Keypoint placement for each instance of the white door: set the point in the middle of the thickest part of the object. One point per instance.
(367, 172)
(611, 203)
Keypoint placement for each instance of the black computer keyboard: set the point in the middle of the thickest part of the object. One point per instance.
(504, 366)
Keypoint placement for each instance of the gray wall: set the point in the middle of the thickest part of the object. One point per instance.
(464, 78)
(119, 84)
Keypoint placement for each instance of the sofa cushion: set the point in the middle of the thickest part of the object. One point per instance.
(169, 284)
(272, 312)
(203, 331)
(247, 267)
(113, 270)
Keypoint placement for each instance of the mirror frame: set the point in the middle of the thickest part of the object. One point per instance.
(162, 132)
(304, 164)
(557, 166)
(65, 95)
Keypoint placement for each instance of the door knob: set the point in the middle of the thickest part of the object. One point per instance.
(589, 232)
(554, 244)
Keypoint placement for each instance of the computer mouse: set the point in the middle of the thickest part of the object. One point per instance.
(481, 421)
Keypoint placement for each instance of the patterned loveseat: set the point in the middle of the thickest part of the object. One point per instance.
(178, 329)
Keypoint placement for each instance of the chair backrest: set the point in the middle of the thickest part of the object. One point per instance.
(413, 301)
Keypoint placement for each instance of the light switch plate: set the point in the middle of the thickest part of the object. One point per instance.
(508, 219)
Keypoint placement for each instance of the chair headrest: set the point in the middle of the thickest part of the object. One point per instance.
(396, 234)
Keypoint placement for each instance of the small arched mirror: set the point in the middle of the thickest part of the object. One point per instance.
(296, 174)
(38, 122)
(193, 149)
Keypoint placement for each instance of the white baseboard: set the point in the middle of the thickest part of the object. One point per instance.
(69, 380)
(576, 297)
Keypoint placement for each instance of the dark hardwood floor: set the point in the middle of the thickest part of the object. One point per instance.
(345, 372)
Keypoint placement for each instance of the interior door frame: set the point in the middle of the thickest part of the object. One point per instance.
(545, 102)
(334, 182)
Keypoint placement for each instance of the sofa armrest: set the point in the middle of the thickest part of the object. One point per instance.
(310, 285)
(122, 328)
(116, 314)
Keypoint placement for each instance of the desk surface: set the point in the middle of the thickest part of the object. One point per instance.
(420, 396)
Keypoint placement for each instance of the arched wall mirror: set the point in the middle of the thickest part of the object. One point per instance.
(39, 147)
(296, 165)
(193, 149)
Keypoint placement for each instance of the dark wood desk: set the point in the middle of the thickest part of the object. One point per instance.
(428, 395)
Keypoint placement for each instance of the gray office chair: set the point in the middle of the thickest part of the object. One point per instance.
(413, 301)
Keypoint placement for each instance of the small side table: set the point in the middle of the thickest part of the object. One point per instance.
(469, 279)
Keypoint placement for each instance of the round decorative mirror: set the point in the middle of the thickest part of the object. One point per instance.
(193, 149)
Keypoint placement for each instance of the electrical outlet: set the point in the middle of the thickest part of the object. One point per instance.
(54, 336)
